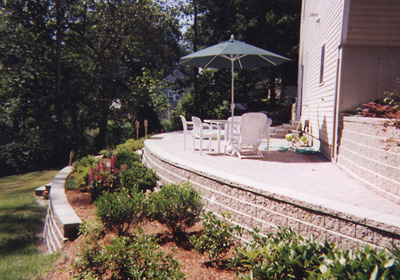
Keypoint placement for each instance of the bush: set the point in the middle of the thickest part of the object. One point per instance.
(141, 258)
(125, 258)
(218, 236)
(287, 255)
(177, 207)
(118, 211)
(130, 145)
(127, 158)
(139, 177)
(82, 170)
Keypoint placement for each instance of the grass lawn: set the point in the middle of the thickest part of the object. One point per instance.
(21, 226)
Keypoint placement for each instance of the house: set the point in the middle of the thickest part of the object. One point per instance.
(349, 54)
(172, 93)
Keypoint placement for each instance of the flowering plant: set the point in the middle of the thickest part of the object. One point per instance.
(104, 178)
(45, 195)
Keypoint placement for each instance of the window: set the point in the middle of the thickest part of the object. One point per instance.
(321, 69)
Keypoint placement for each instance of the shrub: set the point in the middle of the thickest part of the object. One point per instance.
(218, 236)
(82, 170)
(177, 207)
(139, 177)
(118, 211)
(130, 145)
(141, 258)
(126, 258)
(127, 158)
(287, 255)
(91, 260)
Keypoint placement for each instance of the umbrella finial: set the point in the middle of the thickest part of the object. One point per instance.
(232, 38)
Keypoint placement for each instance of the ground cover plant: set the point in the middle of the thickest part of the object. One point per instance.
(21, 227)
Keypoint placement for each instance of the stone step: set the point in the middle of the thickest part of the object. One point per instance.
(39, 191)
(373, 180)
(362, 148)
(386, 171)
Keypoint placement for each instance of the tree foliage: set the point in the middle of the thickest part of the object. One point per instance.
(105, 47)
(272, 25)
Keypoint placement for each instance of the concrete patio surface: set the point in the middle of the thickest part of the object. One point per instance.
(283, 171)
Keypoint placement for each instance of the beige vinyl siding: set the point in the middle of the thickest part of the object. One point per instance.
(318, 99)
(374, 23)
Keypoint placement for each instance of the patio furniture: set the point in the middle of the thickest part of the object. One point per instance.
(266, 132)
(186, 130)
(247, 142)
(203, 131)
(232, 127)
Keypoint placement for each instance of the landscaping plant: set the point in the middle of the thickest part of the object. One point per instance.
(138, 176)
(82, 169)
(218, 236)
(104, 178)
(138, 257)
(288, 255)
(176, 206)
(120, 210)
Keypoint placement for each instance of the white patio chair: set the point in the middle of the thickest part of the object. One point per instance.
(266, 132)
(187, 131)
(235, 129)
(203, 131)
(249, 139)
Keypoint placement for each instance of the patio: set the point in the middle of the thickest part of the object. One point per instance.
(305, 192)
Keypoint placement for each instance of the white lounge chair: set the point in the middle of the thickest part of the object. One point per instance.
(203, 131)
(186, 130)
(249, 139)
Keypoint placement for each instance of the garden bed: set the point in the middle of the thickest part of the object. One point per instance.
(191, 261)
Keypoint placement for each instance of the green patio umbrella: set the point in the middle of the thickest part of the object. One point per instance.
(232, 54)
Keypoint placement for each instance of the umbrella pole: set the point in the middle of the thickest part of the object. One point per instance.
(231, 148)
(232, 87)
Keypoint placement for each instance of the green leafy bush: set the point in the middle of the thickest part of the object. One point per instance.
(287, 255)
(141, 258)
(126, 258)
(176, 206)
(118, 211)
(130, 145)
(127, 158)
(217, 237)
(82, 170)
(139, 177)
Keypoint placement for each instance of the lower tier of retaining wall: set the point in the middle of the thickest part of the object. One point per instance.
(251, 207)
(61, 220)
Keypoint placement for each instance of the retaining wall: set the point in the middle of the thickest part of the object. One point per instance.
(346, 225)
(61, 220)
(370, 152)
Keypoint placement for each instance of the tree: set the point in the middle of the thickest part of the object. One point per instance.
(273, 25)
(64, 63)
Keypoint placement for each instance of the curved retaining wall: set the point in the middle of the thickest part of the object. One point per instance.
(61, 220)
(369, 151)
(345, 225)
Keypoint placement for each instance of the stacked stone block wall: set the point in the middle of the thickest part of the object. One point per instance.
(370, 152)
(265, 210)
(61, 220)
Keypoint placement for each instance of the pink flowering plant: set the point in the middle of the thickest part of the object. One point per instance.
(105, 178)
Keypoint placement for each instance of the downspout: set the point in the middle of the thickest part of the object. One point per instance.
(336, 111)
(336, 117)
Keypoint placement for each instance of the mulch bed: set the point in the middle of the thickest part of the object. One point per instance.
(193, 264)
